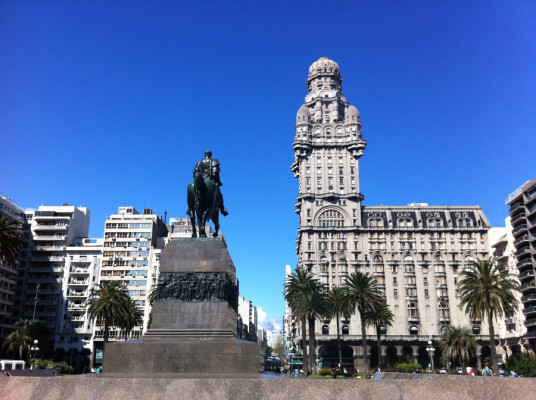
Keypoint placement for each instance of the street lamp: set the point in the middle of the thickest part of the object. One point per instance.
(35, 300)
(34, 349)
(430, 349)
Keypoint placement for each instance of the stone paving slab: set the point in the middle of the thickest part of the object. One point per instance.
(90, 387)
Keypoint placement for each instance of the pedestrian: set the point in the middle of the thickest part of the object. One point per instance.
(487, 371)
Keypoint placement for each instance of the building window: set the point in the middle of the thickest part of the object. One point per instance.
(325, 330)
(345, 330)
(331, 218)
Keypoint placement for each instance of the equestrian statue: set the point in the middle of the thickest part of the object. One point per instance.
(205, 200)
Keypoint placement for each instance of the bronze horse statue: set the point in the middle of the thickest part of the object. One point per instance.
(203, 202)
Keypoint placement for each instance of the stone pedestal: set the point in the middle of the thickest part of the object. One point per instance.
(194, 318)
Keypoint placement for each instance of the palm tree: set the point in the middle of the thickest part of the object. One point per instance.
(18, 342)
(363, 293)
(377, 316)
(27, 331)
(312, 305)
(10, 238)
(294, 289)
(458, 343)
(338, 306)
(109, 303)
(134, 315)
(487, 289)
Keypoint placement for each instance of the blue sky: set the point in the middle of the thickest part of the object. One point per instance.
(105, 104)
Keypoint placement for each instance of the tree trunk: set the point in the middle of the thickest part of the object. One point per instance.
(364, 339)
(106, 328)
(380, 364)
(312, 353)
(339, 341)
(492, 345)
(304, 343)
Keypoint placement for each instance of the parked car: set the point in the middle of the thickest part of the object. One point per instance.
(443, 371)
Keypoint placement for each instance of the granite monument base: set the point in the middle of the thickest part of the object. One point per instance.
(194, 319)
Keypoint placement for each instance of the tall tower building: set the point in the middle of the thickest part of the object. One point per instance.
(414, 251)
(522, 204)
(8, 271)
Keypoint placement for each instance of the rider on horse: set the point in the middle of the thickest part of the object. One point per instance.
(209, 168)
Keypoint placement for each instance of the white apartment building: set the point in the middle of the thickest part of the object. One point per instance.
(132, 244)
(511, 328)
(247, 313)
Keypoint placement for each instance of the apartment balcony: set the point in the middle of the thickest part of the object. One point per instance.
(44, 314)
(519, 228)
(516, 206)
(413, 318)
(530, 335)
(530, 322)
(77, 293)
(47, 258)
(521, 239)
(49, 238)
(523, 251)
(517, 218)
(81, 260)
(78, 282)
(76, 306)
(526, 274)
(41, 302)
(45, 280)
(48, 248)
(79, 271)
(31, 292)
(51, 227)
(528, 286)
(529, 310)
(47, 270)
(523, 263)
(528, 298)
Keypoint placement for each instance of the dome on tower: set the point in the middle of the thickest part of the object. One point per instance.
(303, 115)
(352, 115)
(324, 65)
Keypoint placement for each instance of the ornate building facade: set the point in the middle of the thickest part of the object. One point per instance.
(415, 252)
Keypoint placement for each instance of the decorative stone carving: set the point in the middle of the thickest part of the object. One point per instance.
(197, 286)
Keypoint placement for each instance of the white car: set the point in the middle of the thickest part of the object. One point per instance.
(443, 370)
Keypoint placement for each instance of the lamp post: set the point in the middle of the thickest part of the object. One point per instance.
(34, 349)
(35, 300)
(431, 351)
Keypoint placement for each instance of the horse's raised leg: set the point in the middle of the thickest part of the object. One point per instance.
(201, 224)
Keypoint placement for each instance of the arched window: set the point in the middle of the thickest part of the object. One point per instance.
(413, 330)
(378, 258)
(408, 258)
(331, 219)
(345, 330)
(444, 329)
(325, 330)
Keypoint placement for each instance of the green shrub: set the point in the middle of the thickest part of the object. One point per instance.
(409, 368)
(62, 367)
(523, 364)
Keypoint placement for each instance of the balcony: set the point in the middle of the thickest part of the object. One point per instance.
(529, 310)
(530, 272)
(81, 260)
(81, 271)
(82, 282)
(519, 228)
(77, 293)
(49, 237)
(49, 248)
(530, 335)
(521, 239)
(527, 286)
(516, 206)
(518, 217)
(47, 259)
(530, 322)
(51, 228)
(76, 306)
(523, 250)
(522, 263)
(45, 280)
(530, 297)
